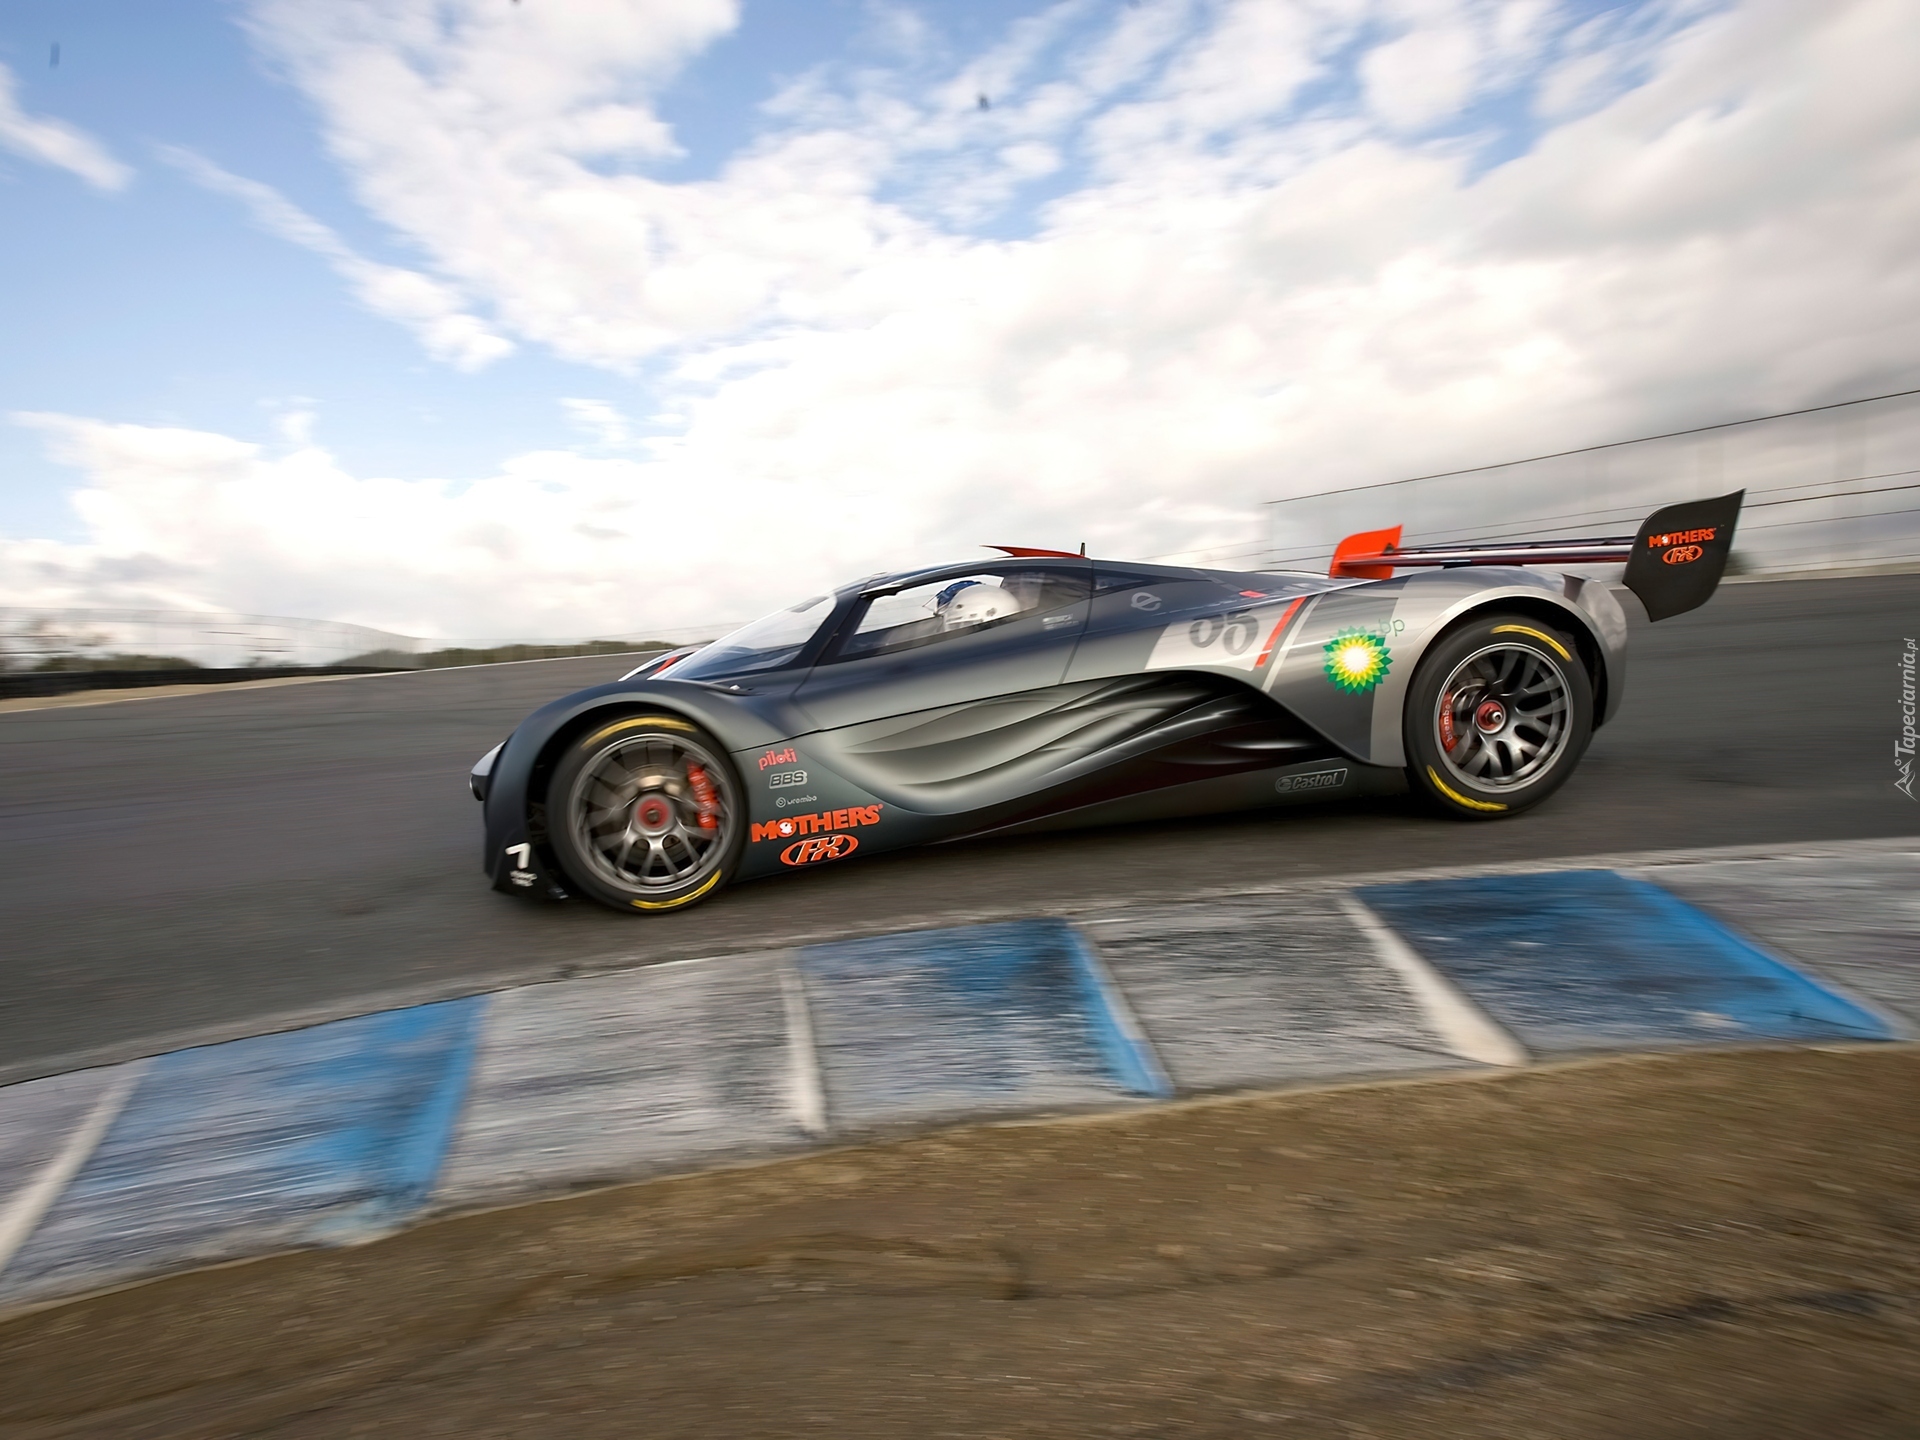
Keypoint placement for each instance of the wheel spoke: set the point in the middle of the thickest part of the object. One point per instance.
(608, 793)
(1532, 732)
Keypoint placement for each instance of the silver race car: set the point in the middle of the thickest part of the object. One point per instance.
(1043, 689)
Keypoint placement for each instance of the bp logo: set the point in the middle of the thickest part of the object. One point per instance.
(1357, 661)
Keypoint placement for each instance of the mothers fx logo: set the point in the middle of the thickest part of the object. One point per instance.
(1680, 537)
(788, 826)
(819, 847)
(1682, 546)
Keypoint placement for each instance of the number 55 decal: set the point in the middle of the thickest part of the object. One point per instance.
(1231, 641)
(1234, 633)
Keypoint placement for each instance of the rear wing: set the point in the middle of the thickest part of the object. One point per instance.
(1673, 564)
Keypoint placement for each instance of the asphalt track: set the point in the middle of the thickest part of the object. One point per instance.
(205, 866)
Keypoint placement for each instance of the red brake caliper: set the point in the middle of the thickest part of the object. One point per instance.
(1447, 737)
(706, 802)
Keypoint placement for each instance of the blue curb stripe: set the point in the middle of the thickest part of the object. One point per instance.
(1115, 1030)
(1588, 959)
(325, 1135)
(405, 1158)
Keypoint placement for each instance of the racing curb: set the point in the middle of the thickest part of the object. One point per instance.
(349, 1129)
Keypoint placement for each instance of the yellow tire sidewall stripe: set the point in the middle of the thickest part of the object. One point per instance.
(639, 722)
(1457, 798)
(687, 899)
(1540, 635)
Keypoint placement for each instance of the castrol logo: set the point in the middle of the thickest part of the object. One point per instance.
(1683, 554)
(816, 848)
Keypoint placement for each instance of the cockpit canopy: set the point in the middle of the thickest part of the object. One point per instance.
(890, 613)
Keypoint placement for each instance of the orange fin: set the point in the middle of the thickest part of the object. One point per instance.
(1350, 555)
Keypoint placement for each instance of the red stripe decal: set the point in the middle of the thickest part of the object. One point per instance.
(1279, 625)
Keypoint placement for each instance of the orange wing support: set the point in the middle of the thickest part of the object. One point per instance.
(1351, 555)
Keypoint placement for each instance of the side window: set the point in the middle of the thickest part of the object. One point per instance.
(959, 605)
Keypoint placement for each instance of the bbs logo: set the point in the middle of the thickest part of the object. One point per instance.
(782, 779)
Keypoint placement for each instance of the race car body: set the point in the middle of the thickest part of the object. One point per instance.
(1044, 690)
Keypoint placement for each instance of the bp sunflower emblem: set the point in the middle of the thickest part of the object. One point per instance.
(1357, 661)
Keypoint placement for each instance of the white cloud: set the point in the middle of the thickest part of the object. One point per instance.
(434, 311)
(295, 427)
(552, 544)
(601, 422)
(1426, 75)
(1250, 285)
(54, 142)
(501, 139)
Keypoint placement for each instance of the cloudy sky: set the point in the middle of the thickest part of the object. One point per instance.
(562, 317)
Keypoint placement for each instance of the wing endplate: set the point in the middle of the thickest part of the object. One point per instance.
(1352, 555)
(1680, 554)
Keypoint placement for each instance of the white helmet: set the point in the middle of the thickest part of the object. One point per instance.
(976, 604)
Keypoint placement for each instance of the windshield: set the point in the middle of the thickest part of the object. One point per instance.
(767, 644)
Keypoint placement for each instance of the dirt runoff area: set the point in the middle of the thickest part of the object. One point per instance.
(1722, 1245)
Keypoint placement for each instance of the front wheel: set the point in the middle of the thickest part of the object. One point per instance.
(1498, 714)
(645, 814)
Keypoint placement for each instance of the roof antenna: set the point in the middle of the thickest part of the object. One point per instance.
(1083, 547)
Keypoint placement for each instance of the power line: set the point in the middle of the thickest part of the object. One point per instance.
(1631, 514)
(1591, 449)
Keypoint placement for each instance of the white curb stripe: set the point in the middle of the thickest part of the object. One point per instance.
(24, 1212)
(803, 1076)
(1467, 1030)
(1139, 1066)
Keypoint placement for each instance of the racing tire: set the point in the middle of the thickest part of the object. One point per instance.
(645, 814)
(1499, 712)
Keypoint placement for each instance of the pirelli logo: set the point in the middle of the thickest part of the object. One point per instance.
(825, 822)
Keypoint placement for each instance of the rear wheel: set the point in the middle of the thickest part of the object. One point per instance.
(645, 814)
(1498, 714)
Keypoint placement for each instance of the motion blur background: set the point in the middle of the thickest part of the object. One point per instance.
(482, 321)
(409, 335)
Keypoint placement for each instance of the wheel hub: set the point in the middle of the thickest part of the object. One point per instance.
(653, 815)
(1490, 718)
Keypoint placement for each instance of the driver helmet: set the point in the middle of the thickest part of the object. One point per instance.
(975, 602)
